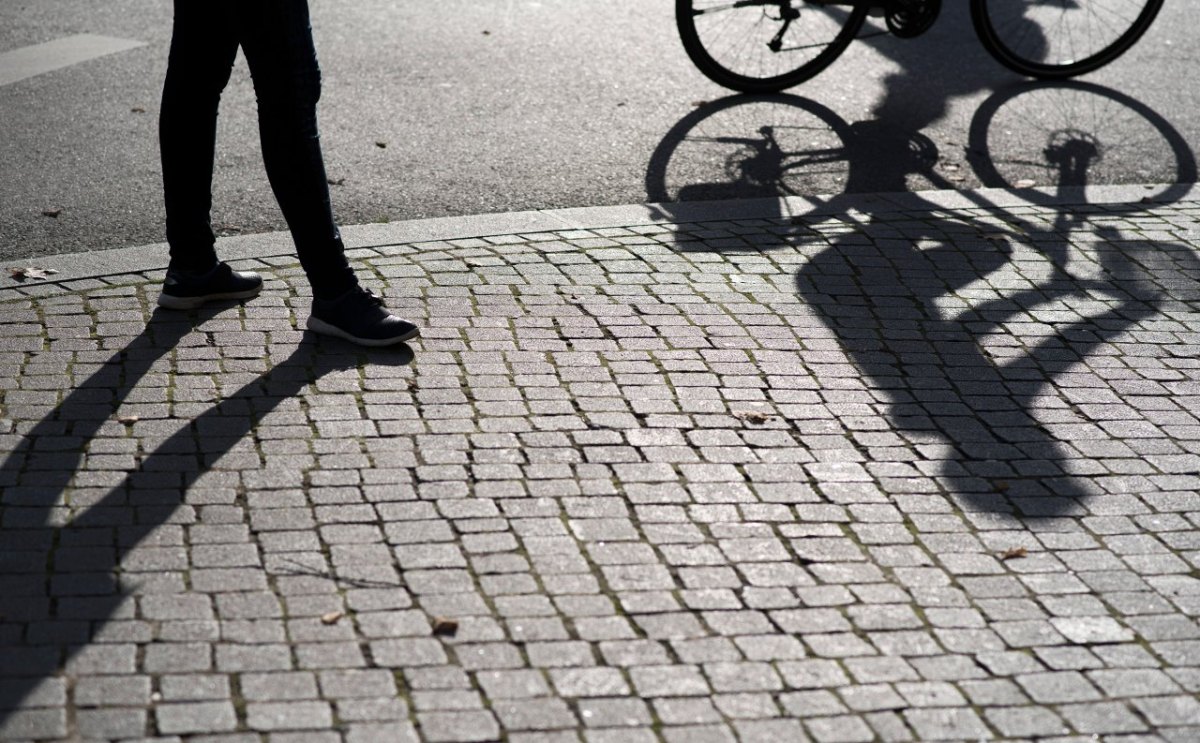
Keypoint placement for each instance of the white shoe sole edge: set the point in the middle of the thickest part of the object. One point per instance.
(321, 327)
(166, 301)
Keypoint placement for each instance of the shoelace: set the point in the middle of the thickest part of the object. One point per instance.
(367, 298)
(372, 300)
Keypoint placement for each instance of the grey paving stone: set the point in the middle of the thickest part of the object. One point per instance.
(869, 697)
(458, 727)
(1103, 717)
(269, 716)
(197, 717)
(177, 658)
(1092, 629)
(589, 682)
(947, 724)
(34, 724)
(545, 713)
(656, 681)
(1057, 688)
(194, 687)
(700, 733)
(402, 732)
(371, 709)
(613, 712)
(750, 705)
(1026, 722)
(840, 729)
(613, 735)
(99, 691)
(356, 683)
(277, 686)
(1173, 710)
(111, 723)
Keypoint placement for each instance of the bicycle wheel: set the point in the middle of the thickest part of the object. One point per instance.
(1053, 39)
(763, 46)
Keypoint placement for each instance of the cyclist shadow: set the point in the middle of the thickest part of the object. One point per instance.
(978, 406)
(983, 417)
(66, 531)
(973, 415)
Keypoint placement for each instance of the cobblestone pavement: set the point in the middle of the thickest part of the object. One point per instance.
(924, 474)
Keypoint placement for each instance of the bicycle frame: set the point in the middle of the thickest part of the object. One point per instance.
(786, 5)
(925, 12)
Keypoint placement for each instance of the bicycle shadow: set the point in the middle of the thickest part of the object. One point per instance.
(971, 410)
(61, 574)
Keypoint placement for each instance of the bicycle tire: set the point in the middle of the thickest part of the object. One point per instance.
(1004, 28)
(819, 35)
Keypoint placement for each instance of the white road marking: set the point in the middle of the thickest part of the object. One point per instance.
(26, 62)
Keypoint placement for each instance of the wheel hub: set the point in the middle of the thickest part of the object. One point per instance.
(909, 18)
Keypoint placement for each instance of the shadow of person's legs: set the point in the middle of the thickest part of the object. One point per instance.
(60, 560)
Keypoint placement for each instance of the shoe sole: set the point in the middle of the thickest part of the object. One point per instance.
(317, 325)
(166, 301)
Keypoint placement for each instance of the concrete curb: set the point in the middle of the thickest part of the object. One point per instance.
(149, 258)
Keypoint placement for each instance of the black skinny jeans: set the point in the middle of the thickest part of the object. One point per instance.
(276, 38)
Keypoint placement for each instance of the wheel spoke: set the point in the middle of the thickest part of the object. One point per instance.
(748, 42)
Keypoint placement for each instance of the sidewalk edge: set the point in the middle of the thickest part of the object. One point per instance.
(151, 258)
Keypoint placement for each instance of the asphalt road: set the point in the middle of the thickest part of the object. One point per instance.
(446, 107)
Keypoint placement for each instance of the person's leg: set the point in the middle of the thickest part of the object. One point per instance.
(276, 37)
(203, 47)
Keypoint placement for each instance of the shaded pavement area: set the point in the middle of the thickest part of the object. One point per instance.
(903, 469)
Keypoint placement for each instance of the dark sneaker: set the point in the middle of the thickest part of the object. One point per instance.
(360, 317)
(186, 291)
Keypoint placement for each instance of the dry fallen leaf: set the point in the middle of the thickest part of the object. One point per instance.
(1013, 552)
(336, 181)
(128, 420)
(52, 213)
(332, 617)
(698, 104)
(381, 145)
(31, 272)
(752, 416)
(445, 627)
(137, 110)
